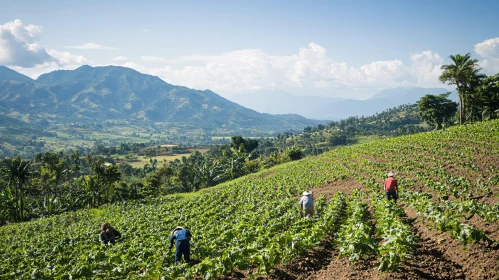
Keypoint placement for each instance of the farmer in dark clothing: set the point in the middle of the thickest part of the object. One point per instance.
(183, 245)
(391, 187)
(108, 234)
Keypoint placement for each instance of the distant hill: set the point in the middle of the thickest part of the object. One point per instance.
(332, 108)
(281, 102)
(7, 74)
(118, 93)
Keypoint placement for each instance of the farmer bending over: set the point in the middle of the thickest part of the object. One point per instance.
(183, 245)
(108, 234)
(391, 187)
(307, 204)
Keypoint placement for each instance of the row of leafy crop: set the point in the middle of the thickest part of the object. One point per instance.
(250, 221)
(356, 239)
(398, 238)
(376, 170)
(434, 177)
(404, 156)
(445, 219)
(458, 187)
(432, 167)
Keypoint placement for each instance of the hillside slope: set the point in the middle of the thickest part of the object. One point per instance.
(94, 94)
(7, 74)
(253, 224)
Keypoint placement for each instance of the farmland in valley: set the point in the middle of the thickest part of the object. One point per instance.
(140, 161)
(444, 226)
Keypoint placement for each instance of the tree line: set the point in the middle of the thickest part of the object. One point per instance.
(53, 183)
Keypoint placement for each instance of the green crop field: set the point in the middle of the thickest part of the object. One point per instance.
(140, 161)
(253, 223)
(143, 160)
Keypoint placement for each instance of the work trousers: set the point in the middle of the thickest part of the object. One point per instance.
(308, 212)
(183, 247)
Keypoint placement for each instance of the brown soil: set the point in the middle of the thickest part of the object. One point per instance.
(330, 189)
(477, 261)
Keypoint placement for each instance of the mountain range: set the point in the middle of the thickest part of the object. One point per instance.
(332, 108)
(96, 94)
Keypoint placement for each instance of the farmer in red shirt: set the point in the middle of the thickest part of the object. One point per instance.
(391, 187)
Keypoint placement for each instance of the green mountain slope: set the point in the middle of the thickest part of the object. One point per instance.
(7, 74)
(119, 93)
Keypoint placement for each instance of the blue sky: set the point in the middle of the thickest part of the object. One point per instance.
(330, 48)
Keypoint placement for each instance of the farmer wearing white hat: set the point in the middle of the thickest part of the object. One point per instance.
(307, 204)
(182, 246)
(391, 187)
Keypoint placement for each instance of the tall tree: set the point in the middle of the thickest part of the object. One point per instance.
(488, 95)
(17, 174)
(437, 109)
(464, 73)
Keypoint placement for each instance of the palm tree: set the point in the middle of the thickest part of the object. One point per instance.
(464, 73)
(18, 173)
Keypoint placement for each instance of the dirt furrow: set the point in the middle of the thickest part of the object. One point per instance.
(476, 261)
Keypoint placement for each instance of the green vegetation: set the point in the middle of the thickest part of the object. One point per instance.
(478, 94)
(402, 120)
(53, 183)
(437, 109)
(255, 221)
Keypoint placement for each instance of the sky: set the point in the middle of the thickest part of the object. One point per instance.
(349, 49)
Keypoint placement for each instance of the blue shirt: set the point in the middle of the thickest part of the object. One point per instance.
(180, 235)
(307, 201)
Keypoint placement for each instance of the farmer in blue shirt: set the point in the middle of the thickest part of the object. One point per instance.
(182, 246)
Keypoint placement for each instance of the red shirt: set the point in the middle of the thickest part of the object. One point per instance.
(391, 184)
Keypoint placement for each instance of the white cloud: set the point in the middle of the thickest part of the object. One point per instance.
(120, 58)
(18, 45)
(488, 48)
(489, 51)
(20, 51)
(309, 71)
(90, 46)
(62, 61)
(146, 30)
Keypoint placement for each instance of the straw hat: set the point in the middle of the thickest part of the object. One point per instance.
(391, 174)
(177, 228)
(307, 193)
